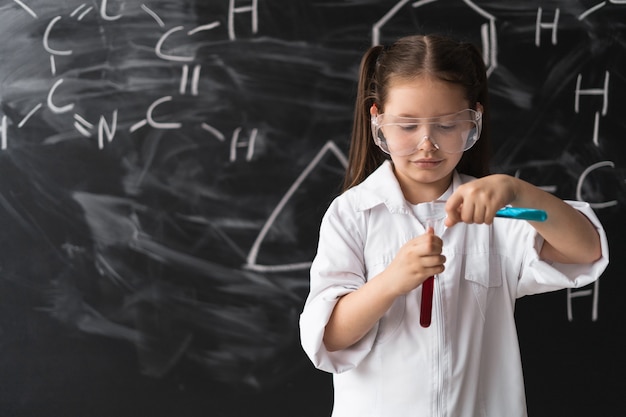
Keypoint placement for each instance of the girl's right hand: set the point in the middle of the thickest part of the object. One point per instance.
(416, 261)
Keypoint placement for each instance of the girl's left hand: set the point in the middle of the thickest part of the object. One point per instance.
(478, 201)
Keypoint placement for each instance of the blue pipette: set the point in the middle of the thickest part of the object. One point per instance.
(519, 213)
(522, 213)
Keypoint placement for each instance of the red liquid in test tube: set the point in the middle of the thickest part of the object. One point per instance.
(436, 212)
(427, 301)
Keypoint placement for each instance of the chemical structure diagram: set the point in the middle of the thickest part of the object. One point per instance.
(106, 128)
(103, 130)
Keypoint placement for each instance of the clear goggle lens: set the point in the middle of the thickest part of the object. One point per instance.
(402, 136)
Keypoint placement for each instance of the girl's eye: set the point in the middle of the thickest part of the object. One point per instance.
(447, 126)
(408, 127)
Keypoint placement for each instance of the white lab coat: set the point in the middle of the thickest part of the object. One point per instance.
(467, 363)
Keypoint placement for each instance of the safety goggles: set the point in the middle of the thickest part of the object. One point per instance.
(402, 136)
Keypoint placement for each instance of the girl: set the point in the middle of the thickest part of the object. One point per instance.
(423, 100)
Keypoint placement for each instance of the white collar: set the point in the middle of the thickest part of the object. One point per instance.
(382, 187)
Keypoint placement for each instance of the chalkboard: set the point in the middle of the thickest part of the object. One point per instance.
(164, 166)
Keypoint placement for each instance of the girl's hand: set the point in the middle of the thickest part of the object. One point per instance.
(417, 260)
(479, 200)
(356, 312)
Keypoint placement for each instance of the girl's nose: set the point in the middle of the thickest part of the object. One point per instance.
(427, 144)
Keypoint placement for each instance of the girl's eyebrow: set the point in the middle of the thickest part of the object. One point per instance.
(412, 116)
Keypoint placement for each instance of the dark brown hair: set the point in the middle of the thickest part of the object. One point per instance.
(449, 60)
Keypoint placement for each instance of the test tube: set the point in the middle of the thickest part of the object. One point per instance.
(436, 213)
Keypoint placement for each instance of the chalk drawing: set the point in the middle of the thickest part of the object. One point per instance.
(597, 7)
(604, 92)
(233, 9)
(104, 14)
(254, 251)
(583, 177)
(541, 25)
(235, 143)
(189, 83)
(594, 292)
(487, 30)
(25, 7)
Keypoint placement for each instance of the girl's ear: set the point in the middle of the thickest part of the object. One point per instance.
(479, 107)
(374, 110)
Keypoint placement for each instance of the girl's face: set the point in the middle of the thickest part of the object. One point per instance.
(425, 174)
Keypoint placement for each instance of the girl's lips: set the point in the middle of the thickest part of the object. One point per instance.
(427, 163)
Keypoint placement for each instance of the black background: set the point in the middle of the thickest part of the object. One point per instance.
(128, 281)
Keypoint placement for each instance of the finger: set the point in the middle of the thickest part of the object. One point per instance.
(467, 212)
(490, 214)
(430, 247)
(420, 247)
(450, 221)
(435, 245)
(479, 214)
(436, 268)
(453, 211)
(433, 261)
(439, 269)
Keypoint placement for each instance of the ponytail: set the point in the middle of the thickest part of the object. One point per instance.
(364, 156)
